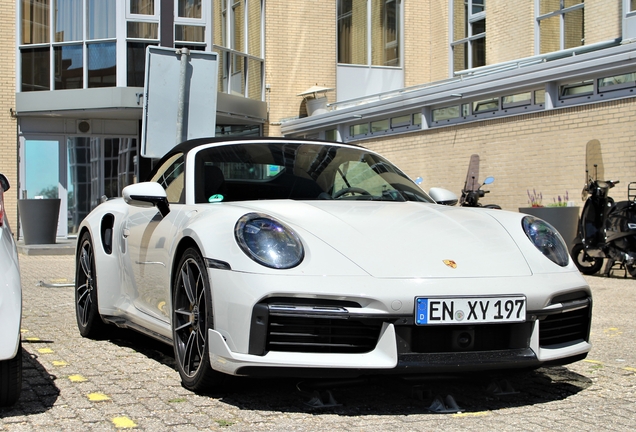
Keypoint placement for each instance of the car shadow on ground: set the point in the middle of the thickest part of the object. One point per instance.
(39, 391)
(381, 395)
(393, 395)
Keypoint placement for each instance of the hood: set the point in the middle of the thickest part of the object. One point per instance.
(406, 239)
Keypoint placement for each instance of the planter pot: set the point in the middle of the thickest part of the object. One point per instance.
(564, 219)
(39, 220)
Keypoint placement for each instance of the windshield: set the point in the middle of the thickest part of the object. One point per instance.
(301, 171)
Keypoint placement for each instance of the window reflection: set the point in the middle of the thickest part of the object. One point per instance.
(68, 20)
(36, 70)
(35, 21)
(100, 18)
(69, 67)
(102, 65)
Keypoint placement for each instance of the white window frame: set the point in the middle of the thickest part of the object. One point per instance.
(561, 14)
(141, 17)
(470, 38)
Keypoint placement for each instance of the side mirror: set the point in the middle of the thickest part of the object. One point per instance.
(4, 183)
(489, 180)
(443, 196)
(147, 194)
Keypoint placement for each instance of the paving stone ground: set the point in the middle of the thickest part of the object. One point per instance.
(129, 381)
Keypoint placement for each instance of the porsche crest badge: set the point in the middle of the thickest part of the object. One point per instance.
(450, 263)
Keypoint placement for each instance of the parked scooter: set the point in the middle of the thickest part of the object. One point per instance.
(607, 230)
(472, 190)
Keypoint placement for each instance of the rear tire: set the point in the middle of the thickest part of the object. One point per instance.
(11, 379)
(587, 267)
(192, 316)
(89, 322)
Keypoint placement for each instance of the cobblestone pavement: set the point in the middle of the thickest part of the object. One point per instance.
(129, 381)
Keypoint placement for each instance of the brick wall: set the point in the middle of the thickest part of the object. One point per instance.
(8, 125)
(300, 52)
(509, 30)
(602, 20)
(542, 151)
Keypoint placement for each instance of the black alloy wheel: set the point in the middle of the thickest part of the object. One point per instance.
(89, 322)
(191, 318)
(586, 264)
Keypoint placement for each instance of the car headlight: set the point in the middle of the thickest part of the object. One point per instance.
(268, 241)
(546, 239)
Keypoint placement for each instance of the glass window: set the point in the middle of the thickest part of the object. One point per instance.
(577, 89)
(404, 120)
(331, 135)
(35, 21)
(617, 82)
(254, 24)
(360, 32)
(469, 34)
(69, 67)
(100, 19)
(417, 119)
(519, 99)
(189, 9)
(486, 105)
(142, 7)
(102, 64)
(359, 129)
(136, 61)
(36, 69)
(446, 113)
(142, 30)
(380, 125)
(68, 20)
(189, 33)
(561, 25)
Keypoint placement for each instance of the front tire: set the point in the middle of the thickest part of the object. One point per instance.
(89, 322)
(192, 316)
(11, 379)
(587, 266)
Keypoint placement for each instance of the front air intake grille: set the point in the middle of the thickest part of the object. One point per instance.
(566, 327)
(322, 335)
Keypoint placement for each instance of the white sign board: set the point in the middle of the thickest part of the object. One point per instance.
(162, 117)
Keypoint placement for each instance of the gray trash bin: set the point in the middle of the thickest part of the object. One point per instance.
(39, 220)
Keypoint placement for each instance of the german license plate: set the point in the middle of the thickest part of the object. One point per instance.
(469, 310)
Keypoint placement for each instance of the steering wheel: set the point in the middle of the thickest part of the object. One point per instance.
(350, 190)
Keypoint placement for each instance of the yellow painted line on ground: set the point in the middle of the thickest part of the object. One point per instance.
(77, 378)
(97, 397)
(630, 369)
(45, 351)
(23, 330)
(593, 361)
(124, 423)
(473, 414)
(32, 339)
(59, 363)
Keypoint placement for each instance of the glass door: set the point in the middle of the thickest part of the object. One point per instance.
(43, 174)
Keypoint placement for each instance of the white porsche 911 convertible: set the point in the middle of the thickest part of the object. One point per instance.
(300, 258)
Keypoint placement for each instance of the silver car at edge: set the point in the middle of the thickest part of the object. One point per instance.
(10, 310)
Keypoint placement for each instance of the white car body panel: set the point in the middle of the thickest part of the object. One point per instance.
(10, 295)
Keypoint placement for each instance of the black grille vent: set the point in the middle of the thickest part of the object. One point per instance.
(566, 327)
(322, 335)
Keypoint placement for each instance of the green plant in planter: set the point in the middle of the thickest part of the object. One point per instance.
(535, 199)
(560, 202)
